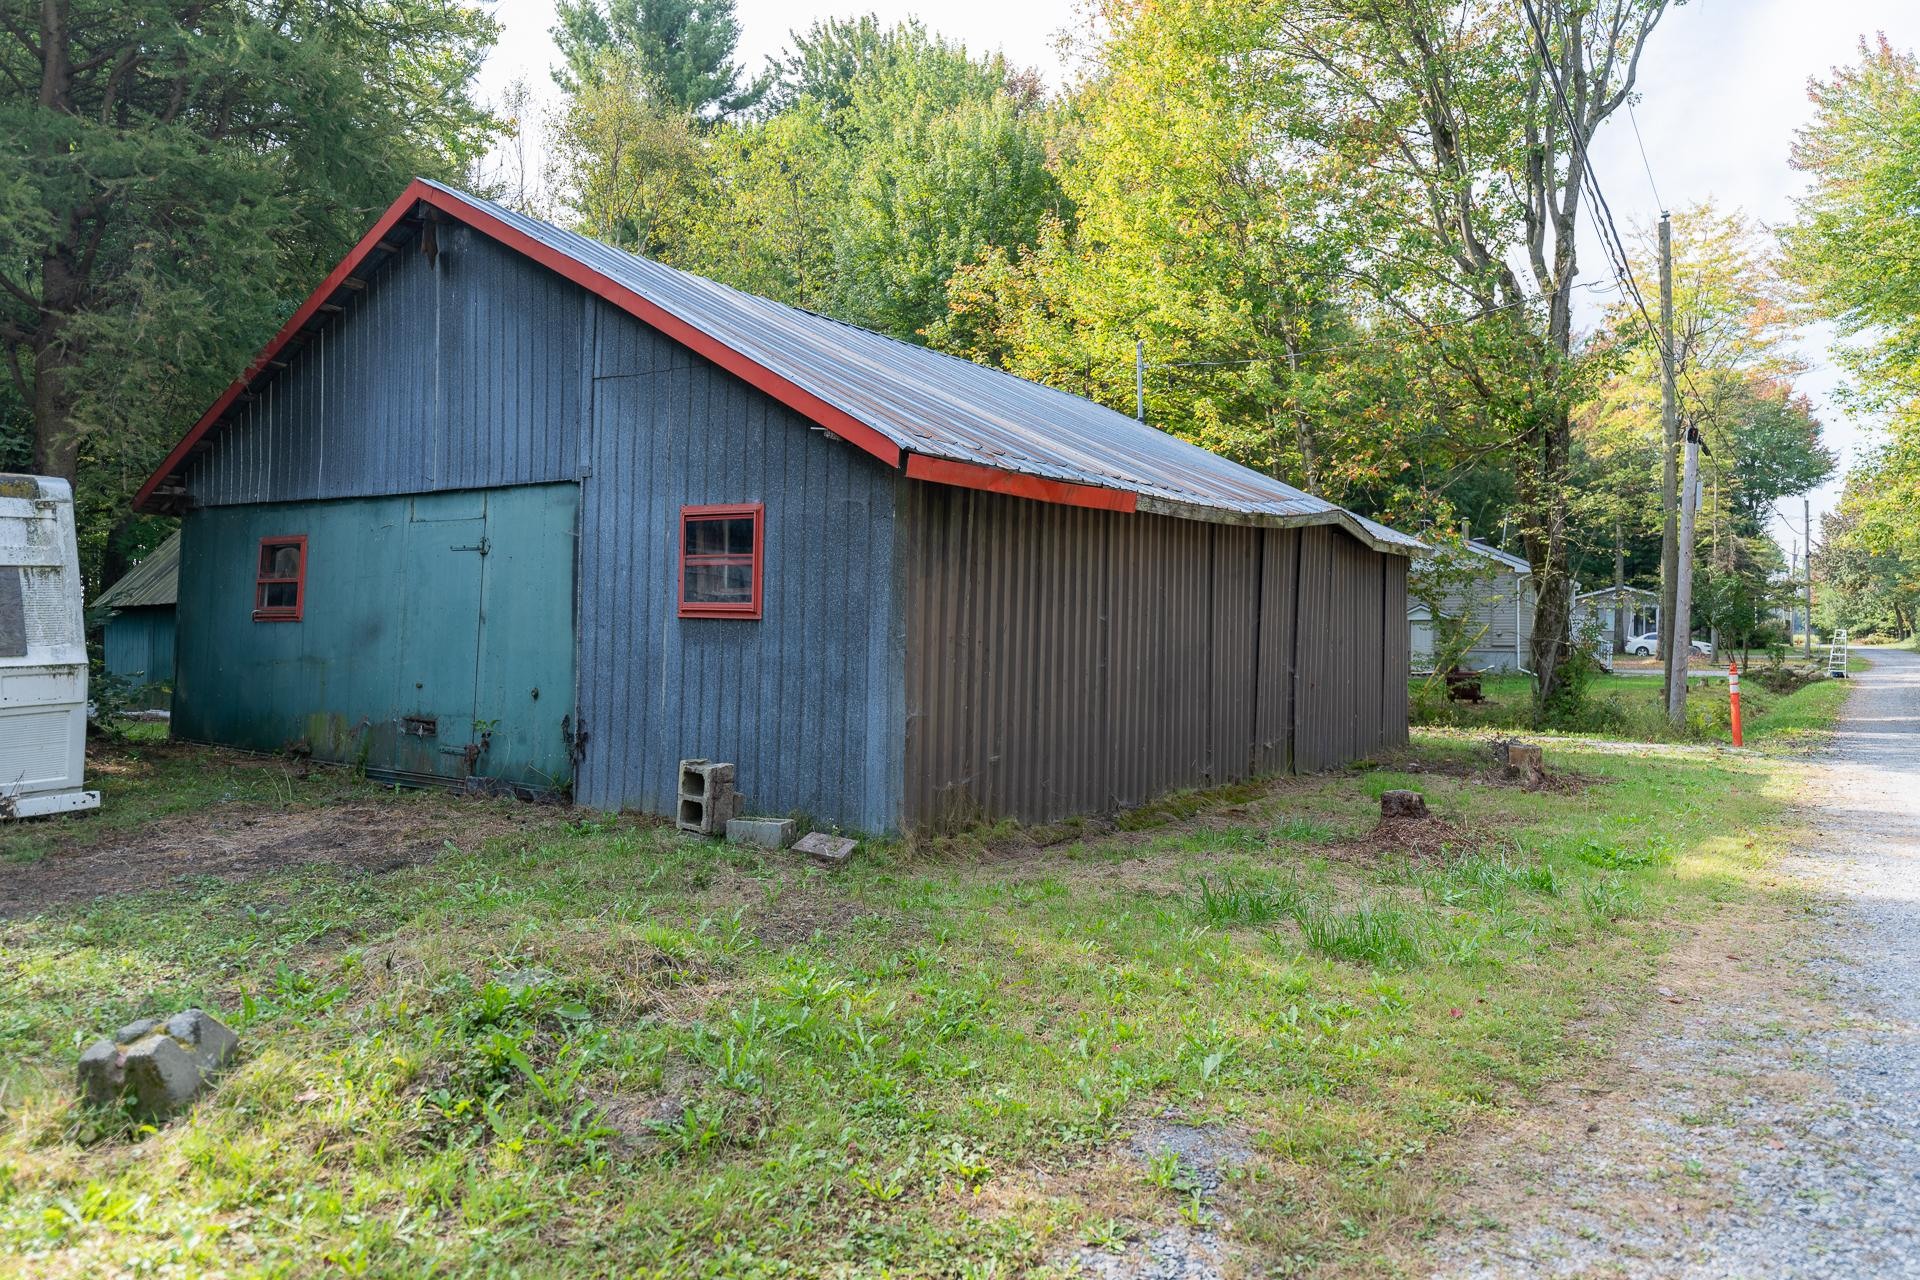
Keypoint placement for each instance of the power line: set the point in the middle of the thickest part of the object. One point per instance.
(1346, 346)
(1644, 163)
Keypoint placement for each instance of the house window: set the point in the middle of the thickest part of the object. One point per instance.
(720, 561)
(280, 580)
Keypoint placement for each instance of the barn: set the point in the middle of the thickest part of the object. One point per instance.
(137, 636)
(501, 502)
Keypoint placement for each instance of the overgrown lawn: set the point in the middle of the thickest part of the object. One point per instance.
(595, 1047)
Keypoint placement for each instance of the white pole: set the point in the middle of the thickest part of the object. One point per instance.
(1680, 626)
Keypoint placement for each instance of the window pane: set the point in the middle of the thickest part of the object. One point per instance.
(706, 536)
(279, 595)
(720, 584)
(280, 560)
(740, 536)
(720, 536)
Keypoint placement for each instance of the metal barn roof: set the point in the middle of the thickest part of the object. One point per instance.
(154, 582)
(944, 418)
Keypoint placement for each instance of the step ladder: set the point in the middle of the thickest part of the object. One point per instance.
(1837, 656)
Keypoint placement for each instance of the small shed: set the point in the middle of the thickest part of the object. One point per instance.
(1490, 592)
(502, 502)
(1616, 615)
(138, 634)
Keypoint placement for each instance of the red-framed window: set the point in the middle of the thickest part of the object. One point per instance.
(280, 579)
(720, 560)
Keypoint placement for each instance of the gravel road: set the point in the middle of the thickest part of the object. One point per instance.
(1766, 1120)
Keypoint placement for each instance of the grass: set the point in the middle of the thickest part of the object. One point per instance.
(592, 1046)
(1629, 707)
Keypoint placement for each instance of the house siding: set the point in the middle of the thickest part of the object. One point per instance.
(481, 370)
(1064, 661)
(1488, 602)
(464, 371)
(807, 700)
(137, 646)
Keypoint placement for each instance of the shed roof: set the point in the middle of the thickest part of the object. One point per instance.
(941, 418)
(154, 582)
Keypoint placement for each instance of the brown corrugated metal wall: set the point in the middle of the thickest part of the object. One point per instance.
(1064, 661)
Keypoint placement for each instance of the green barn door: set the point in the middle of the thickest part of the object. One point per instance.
(486, 636)
(524, 678)
(443, 547)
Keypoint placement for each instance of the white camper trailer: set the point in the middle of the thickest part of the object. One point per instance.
(43, 652)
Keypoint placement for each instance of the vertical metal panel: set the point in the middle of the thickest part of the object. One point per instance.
(461, 373)
(1065, 661)
(805, 700)
(1273, 710)
(137, 646)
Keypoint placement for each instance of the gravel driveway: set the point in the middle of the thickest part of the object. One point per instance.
(1765, 1121)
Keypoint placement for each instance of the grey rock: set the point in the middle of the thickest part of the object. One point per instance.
(162, 1075)
(828, 851)
(209, 1040)
(135, 1030)
(161, 1066)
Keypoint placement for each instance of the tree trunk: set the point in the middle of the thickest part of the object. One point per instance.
(1543, 496)
(56, 443)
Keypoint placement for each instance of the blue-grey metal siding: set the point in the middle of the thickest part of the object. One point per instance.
(461, 372)
(806, 701)
(138, 646)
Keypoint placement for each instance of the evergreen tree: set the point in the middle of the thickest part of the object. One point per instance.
(683, 48)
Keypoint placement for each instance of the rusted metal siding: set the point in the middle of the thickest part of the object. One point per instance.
(1065, 661)
(464, 371)
(805, 700)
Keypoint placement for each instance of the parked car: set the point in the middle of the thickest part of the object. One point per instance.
(1649, 644)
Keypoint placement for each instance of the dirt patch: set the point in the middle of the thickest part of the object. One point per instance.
(1435, 838)
(248, 841)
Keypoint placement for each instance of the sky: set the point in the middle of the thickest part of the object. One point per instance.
(1723, 88)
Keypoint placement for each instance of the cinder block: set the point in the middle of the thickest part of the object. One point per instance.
(768, 833)
(828, 851)
(700, 778)
(708, 800)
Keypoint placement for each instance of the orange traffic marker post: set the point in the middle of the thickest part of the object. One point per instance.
(1733, 693)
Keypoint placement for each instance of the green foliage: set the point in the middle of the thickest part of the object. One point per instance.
(176, 176)
(683, 50)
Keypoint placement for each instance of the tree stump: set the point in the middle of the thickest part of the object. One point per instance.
(1402, 804)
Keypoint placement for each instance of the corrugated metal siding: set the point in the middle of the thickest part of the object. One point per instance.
(1350, 696)
(137, 645)
(1065, 661)
(461, 373)
(805, 701)
(1074, 661)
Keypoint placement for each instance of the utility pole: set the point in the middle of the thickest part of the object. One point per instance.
(1619, 588)
(1669, 437)
(1806, 562)
(1679, 633)
(1140, 379)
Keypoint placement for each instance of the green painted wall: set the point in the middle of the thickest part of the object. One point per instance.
(138, 645)
(437, 635)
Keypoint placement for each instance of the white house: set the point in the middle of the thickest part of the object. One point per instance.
(1495, 600)
(1639, 609)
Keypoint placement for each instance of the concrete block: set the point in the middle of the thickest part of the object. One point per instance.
(828, 851)
(708, 800)
(162, 1066)
(1402, 804)
(768, 833)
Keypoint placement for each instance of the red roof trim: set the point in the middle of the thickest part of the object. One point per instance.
(794, 397)
(967, 475)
